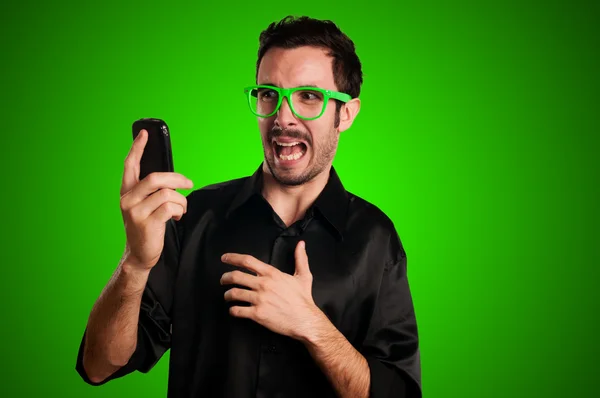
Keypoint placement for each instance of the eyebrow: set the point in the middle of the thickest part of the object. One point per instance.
(301, 85)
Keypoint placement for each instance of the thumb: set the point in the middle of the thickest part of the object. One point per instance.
(302, 268)
(131, 174)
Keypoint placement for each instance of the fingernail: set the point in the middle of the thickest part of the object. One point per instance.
(224, 257)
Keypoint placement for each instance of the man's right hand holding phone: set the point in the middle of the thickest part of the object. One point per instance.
(147, 205)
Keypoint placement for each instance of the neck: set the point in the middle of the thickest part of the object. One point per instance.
(291, 202)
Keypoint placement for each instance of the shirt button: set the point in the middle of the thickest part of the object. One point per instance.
(271, 349)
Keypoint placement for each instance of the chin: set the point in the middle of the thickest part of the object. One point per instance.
(291, 180)
(288, 176)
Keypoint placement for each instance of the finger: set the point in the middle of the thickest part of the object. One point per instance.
(245, 295)
(152, 183)
(248, 262)
(302, 267)
(154, 201)
(243, 312)
(166, 211)
(131, 173)
(240, 278)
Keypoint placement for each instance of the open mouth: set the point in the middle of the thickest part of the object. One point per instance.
(289, 151)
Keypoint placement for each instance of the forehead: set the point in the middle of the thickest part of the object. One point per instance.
(297, 66)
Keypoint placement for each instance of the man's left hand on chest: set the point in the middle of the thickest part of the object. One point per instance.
(278, 301)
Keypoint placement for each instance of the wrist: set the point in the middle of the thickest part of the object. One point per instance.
(319, 327)
(134, 277)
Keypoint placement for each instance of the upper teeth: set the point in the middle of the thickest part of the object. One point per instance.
(286, 143)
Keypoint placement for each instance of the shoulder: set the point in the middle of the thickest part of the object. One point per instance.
(214, 197)
(360, 207)
(219, 189)
(368, 214)
(367, 221)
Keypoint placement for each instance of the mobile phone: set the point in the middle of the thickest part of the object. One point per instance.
(157, 155)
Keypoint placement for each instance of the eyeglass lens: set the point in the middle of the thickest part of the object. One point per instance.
(306, 103)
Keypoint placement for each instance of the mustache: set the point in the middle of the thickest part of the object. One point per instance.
(288, 133)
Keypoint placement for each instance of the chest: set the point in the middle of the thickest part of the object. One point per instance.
(339, 287)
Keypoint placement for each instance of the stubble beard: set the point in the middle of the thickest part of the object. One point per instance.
(322, 155)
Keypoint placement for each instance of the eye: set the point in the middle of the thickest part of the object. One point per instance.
(310, 95)
(266, 94)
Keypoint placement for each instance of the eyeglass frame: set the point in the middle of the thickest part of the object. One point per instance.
(287, 92)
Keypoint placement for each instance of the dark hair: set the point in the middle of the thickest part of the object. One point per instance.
(293, 32)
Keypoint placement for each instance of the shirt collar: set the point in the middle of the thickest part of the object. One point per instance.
(332, 202)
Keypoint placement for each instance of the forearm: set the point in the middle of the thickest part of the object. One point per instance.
(111, 335)
(346, 369)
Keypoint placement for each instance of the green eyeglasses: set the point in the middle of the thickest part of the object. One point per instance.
(307, 103)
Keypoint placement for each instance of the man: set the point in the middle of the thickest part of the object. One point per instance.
(282, 284)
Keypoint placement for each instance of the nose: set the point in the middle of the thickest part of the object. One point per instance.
(285, 117)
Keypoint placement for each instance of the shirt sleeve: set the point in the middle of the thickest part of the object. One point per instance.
(154, 324)
(391, 346)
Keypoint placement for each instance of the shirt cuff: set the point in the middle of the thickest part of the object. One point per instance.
(388, 382)
(132, 365)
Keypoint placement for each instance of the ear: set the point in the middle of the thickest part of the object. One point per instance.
(348, 113)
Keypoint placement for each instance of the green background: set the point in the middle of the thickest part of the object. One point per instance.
(478, 136)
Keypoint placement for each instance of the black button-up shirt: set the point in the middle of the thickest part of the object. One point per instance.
(359, 281)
